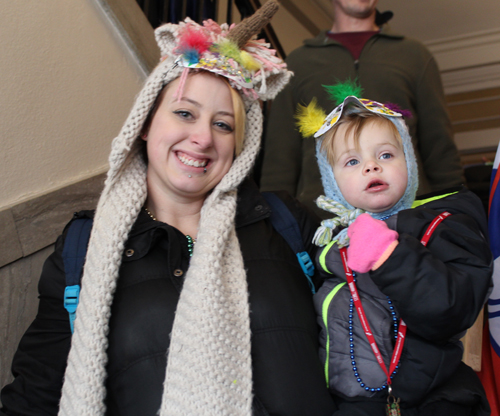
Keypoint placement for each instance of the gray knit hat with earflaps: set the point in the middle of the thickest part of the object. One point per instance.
(312, 121)
(209, 370)
(348, 214)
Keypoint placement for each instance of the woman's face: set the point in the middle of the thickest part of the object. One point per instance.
(190, 142)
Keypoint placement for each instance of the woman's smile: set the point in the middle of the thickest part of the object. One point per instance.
(191, 161)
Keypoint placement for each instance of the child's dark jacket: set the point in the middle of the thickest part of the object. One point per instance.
(438, 290)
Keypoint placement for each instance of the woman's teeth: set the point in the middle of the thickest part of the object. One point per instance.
(190, 162)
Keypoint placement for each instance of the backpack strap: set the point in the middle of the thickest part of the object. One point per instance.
(74, 251)
(285, 223)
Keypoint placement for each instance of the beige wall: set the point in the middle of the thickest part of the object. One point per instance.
(290, 31)
(67, 83)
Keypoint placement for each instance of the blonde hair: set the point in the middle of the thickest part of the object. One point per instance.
(240, 117)
(355, 123)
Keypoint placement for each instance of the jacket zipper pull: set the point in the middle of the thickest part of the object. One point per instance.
(356, 64)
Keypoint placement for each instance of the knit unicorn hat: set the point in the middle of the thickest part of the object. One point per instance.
(248, 64)
(312, 121)
(210, 343)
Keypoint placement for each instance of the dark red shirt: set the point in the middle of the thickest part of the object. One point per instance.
(353, 41)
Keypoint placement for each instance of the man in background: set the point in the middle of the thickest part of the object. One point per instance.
(391, 69)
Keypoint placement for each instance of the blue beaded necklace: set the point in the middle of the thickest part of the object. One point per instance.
(351, 339)
(351, 344)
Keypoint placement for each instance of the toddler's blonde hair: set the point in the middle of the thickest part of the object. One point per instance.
(355, 123)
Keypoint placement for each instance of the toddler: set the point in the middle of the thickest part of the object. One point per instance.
(403, 278)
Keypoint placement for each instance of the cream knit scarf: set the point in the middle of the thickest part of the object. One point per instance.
(209, 368)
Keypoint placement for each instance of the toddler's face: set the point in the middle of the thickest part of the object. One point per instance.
(373, 178)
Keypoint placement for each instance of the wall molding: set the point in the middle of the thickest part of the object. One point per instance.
(468, 62)
(35, 224)
(472, 49)
(477, 140)
(471, 79)
(128, 22)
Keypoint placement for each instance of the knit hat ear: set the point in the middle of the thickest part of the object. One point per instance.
(166, 38)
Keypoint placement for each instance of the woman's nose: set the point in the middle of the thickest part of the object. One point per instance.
(202, 136)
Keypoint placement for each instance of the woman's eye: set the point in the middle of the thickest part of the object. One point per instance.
(386, 156)
(183, 114)
(224, 126)
(352, 162)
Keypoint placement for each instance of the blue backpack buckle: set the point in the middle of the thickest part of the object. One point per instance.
(71, 298)
(307, 267)
(306, 263)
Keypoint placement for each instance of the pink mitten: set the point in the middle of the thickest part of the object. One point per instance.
(371, 242)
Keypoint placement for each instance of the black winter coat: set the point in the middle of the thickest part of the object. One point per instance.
(438, 289)
(287, 375)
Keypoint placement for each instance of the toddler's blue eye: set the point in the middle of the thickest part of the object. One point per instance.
(352, 162)
(386, 156)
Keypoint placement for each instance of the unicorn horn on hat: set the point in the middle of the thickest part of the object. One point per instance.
(252, 25)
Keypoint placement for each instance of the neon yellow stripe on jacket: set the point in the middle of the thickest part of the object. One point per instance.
(322, 256)
(434, 198)
(324, 313)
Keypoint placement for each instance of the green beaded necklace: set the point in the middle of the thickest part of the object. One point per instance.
(191, 242)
